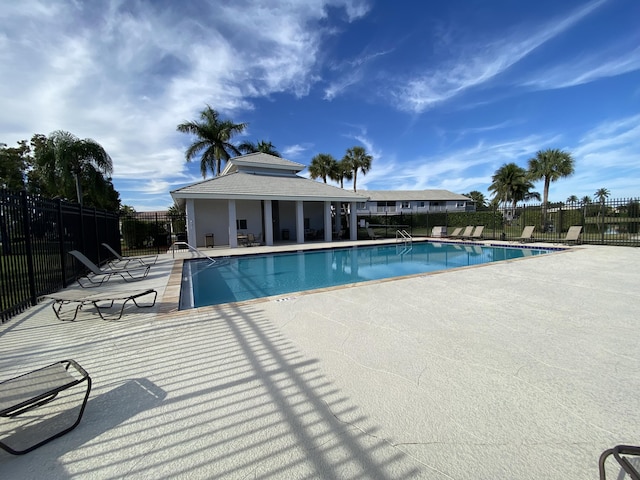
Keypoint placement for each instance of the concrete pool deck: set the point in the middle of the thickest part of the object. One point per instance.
(519, 369)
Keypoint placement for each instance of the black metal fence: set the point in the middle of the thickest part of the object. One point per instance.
(37, 233)
(611, 222)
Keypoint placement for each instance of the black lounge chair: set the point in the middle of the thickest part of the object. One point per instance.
(122, 262)
(80, 298)
(26, 393)
(98, 276)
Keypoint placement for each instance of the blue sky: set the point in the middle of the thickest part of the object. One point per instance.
(441, 94)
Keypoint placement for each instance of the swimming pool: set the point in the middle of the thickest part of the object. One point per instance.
(244, 278)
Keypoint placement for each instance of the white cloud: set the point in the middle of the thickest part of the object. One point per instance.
(478, 64)
(125, 74)
(596, 66)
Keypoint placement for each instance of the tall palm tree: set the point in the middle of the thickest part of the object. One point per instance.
(213, 140)
(322, 166)
(550, 165)
(572, 200)
(358, 160)
(586, 200)
(261, 146)
(63, 160)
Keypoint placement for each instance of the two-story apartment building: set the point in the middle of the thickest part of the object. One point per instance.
(395, 202)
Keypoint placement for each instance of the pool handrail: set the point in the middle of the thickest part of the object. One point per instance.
(192, 248)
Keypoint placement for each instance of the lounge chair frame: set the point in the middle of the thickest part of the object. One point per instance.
(80, 298)
(29, 391)
(106, 274)
(122, 262)
(618, 452)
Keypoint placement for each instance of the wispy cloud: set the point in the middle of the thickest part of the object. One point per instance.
(594, 67)
(459, 170)
(350, 73)
(479, 64)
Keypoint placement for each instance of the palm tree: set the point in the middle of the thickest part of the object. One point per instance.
(601, 195)
(510, 183)
(572, 200)
(357, 159)
(261, 146)
(343, 172)
(213, 140)
(63, 159)
(322, 166)
(550, 165)
(478, 198)
(586, 200)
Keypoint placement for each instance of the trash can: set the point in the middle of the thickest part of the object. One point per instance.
(208, 240)
(285, 234)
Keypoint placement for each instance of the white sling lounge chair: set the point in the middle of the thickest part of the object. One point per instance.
(122, 262)
(468, 231)
(372, 234)
(97, 276)
(527, 233)
(573, 234)
(477, 233)
(456, 232)
(105, 295)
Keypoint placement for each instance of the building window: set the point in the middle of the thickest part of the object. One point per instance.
(422, 204)
(241, 224)
(306, 224)
(460, 204)
(361, 205)
(406, 204)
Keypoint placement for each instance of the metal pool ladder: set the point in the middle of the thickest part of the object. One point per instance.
(404, 236)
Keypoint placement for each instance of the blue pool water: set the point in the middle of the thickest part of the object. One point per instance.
(245, 278)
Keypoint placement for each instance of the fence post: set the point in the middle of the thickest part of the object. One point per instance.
(63, 259)
(28, 247)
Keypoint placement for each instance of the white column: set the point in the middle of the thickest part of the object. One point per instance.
(190, 210)
(299, 221)
(328, 228)
(353, 222)
(338, 219)
(233, 231)
(268, 223)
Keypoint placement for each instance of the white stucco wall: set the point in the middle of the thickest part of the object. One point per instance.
(212, 218)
